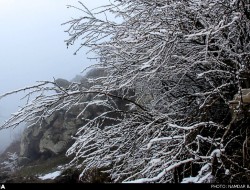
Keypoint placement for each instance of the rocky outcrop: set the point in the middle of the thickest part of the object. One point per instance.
(54, 135)
(62, 83)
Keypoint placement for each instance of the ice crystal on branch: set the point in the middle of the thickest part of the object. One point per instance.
(172, 67)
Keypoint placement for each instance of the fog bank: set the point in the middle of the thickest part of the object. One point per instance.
(33, 49)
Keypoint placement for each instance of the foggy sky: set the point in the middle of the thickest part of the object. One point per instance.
(32, 48)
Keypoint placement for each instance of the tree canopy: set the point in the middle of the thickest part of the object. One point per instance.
(175, 65)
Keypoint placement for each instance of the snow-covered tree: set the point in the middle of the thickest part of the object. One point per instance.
(176, 64)
(11, 164)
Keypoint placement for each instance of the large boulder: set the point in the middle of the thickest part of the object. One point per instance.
(62, 83)
(53, 135)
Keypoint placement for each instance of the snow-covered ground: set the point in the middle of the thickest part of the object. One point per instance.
(52, 175)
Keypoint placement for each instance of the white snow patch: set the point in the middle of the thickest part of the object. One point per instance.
(145, 65)
(52, 175)
(204, 176)
(200, 75)
(190, 180)
(155, 161)
(217, 153)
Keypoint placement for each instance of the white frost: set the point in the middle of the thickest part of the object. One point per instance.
(190, 180)
(50, 175)
(204, 176)
(217, 153)
(155, 161)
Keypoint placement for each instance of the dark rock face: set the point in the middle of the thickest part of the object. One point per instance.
(54, 135)
(62, 83)
(29, 147)
(23, 161)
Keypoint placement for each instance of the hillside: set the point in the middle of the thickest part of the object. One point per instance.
(42, 147)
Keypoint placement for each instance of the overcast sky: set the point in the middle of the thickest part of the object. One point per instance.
(32, 47)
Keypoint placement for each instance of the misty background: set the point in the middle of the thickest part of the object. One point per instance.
(33, 49)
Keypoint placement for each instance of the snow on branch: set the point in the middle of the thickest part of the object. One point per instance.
(172, 67)
(161, 174)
